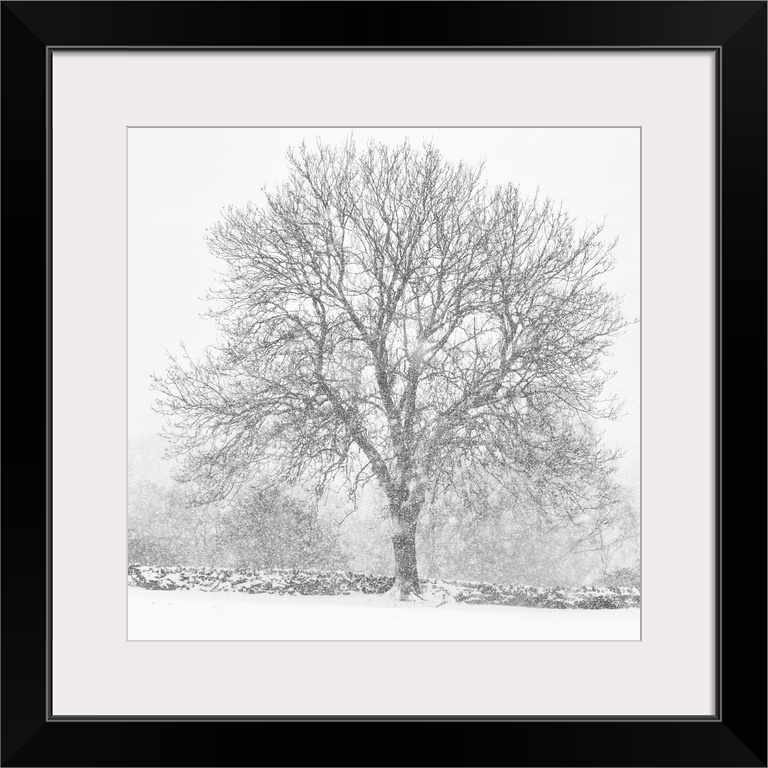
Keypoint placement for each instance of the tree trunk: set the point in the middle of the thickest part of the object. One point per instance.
(404, 544)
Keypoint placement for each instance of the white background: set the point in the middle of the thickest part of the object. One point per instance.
(96, 96)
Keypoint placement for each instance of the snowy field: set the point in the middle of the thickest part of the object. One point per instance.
(196, 615)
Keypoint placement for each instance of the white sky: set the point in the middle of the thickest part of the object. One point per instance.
(179, 179)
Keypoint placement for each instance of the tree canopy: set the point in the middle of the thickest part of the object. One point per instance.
(386, 315)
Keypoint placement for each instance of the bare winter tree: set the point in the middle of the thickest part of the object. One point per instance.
(386, 315)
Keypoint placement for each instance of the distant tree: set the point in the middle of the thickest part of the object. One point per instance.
(520, 541)
(387, 316)
(266, 528)
(163, 531)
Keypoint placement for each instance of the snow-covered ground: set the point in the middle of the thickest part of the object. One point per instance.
(197, 615)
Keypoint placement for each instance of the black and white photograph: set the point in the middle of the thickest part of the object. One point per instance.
(384, 384)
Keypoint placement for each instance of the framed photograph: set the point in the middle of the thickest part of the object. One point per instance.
(384, 380)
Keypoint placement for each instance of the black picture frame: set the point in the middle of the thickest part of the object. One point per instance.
(736, 735)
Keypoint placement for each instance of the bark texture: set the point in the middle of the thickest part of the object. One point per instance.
(404, 545)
